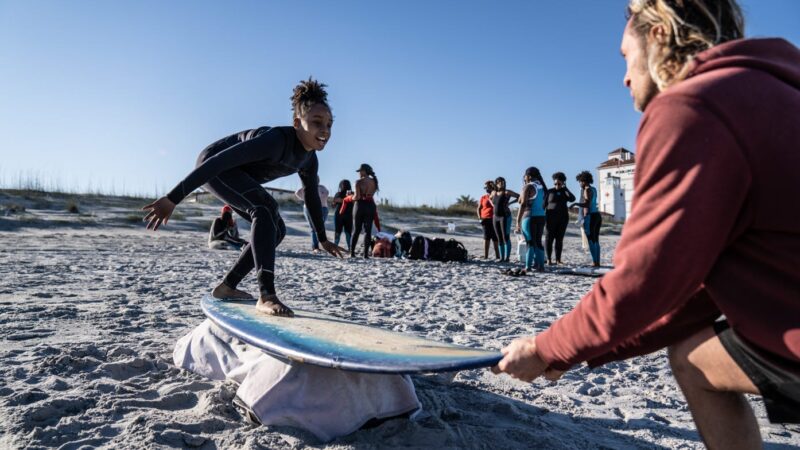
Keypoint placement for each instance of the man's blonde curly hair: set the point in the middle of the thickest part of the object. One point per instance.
(691, 26)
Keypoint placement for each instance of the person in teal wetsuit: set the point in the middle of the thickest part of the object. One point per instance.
(531, 218)
(591, 213)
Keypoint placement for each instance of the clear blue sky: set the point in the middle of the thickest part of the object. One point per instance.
(437, 95)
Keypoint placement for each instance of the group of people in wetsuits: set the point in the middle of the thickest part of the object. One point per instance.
(235, 167)
(351, 208)
(355, 210)
(540, 209)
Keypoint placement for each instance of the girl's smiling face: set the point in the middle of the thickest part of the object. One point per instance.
(314, 128)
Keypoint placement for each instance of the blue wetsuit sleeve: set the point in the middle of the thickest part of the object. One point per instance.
(309, 175)
(267, 147)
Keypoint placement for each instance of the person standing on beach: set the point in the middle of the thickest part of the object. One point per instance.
(233, 169)
(557, 215)
(592, 220)
(501, 199)
(365, 211)
(342, 215)
(485, 215)
(716, 282)
(323, 199)
(531, 218)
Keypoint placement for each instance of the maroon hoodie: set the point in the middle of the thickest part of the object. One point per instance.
(715, 225)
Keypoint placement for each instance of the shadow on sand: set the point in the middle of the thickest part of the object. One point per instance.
(459, 415)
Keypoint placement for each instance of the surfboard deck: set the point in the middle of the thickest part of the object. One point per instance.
(583, 271)
(329, 341)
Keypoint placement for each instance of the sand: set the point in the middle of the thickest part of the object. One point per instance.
(90, 310)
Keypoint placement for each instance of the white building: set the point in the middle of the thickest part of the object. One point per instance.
(615, 183)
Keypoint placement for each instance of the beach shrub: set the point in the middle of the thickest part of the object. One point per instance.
(72, 207)
(13, 208)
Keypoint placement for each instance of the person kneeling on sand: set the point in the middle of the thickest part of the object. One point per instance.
(224, 233)
(235, 167)
(696, 246)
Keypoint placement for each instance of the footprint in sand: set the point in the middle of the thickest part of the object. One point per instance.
(51, 412)
(26, 398)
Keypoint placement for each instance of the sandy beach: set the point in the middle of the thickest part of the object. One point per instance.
(91, 306)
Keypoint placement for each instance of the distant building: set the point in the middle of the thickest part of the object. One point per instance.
(615, 183)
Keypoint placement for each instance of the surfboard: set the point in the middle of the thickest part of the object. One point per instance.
(583, 271)
(329, 341)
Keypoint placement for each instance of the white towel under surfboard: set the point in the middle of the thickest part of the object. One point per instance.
(326, 402)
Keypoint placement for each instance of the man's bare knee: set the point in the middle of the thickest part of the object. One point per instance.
(685, 359)
(678, 356)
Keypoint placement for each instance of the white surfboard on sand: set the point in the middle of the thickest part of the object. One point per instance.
(330, 341)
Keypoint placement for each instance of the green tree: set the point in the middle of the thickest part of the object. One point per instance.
(466, 200)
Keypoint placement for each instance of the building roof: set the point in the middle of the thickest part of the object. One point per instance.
(617, 163)
(618, 158)
(619, 151)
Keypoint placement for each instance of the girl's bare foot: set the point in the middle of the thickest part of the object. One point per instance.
(269, 304)
(223, 292)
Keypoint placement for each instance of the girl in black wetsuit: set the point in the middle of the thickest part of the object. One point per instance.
(557, 215)
(365, 209)
(342, 220)
(501, 198)
(235, 167)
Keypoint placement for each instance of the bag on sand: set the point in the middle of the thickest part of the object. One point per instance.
(325, 402)
(405, 241)
(455, 251)
(522, 248)
(436, 249)
(419, 248)
(383, 248)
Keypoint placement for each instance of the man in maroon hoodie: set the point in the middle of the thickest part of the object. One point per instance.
(710, 234)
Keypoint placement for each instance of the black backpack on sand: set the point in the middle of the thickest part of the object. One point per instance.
(436, 249)
(455, 251)
(417, 250)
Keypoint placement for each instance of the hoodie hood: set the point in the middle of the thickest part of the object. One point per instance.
(775, 56)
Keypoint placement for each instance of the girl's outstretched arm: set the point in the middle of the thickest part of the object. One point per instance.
(266, 147)
(159, 212)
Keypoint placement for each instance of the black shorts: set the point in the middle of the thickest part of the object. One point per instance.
(778, 385)
(488, 230)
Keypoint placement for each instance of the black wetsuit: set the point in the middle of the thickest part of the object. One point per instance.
(557, 219)
(233, 169)
(222, 230)
(343, 221)
(364, 214)
(502, 223)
